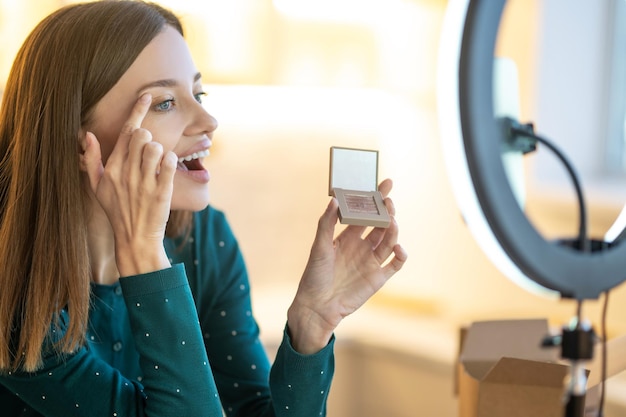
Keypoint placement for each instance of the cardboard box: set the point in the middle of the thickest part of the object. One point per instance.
(504, 372)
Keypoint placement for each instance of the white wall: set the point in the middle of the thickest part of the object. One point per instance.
(575, 91)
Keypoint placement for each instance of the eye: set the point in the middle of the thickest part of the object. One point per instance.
(165, 105)
(199, 96)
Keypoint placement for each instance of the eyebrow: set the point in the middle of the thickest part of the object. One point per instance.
(165, 83)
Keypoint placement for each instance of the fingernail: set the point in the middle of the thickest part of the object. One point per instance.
(145, 98)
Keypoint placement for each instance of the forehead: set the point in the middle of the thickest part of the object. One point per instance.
(166, 57)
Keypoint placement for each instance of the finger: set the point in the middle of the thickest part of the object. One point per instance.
(388, 242)
(326, 224)
(397, 262)
(167, 168)
(391, 208)
(375, 236)
(377, 233)
(130, 165)
(165, 179)
(137, 114)
(91, 160)
(151, 155)
(385, 187)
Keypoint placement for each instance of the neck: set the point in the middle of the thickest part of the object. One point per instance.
(101, 247)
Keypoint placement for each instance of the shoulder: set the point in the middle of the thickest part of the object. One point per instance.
(212, 229)
(216, 257)
(210, 217)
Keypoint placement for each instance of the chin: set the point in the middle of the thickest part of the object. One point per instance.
(193, 203)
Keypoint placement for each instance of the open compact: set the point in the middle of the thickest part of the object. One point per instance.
(353, 182)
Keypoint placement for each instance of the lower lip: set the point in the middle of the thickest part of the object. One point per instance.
(200, 176)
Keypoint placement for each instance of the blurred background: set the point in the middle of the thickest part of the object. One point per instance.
(287, 79)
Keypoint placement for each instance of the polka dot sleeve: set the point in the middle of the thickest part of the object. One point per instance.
(177, 379)
(176, 372)
(295, 385)
(300, 383)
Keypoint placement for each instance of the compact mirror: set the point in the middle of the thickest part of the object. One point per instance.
(353, 181)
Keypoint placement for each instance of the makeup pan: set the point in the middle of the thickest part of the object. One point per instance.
(353, 181)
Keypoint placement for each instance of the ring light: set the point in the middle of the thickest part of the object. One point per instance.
(472, 141)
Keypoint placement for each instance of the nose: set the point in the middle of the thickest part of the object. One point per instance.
(201, 121)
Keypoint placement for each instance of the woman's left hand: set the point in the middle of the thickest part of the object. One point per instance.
(341, 275)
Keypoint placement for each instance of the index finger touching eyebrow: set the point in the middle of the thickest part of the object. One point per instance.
(137, 114)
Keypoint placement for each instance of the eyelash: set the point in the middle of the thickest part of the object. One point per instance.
(199, 96)
(171, 102)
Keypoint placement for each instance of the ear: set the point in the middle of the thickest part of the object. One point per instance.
(82, 149)
(91, 159)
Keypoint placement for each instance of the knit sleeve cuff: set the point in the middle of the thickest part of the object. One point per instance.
(297, 359)
(154, 282)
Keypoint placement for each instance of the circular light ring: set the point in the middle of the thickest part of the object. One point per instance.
(454, 149)
(575, 274)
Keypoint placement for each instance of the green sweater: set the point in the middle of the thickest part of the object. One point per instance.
(176, 342)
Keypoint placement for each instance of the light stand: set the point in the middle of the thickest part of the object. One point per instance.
(472, 140)
(578, 338)
(577, 347)
(576, 342)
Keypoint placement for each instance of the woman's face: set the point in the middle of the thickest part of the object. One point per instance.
(176, 118)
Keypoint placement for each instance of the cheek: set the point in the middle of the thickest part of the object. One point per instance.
(107, 134)
(107, 139)
(167, 133)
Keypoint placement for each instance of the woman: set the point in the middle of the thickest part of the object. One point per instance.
(122, 292)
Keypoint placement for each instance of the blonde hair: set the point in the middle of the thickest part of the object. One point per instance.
(66, 65)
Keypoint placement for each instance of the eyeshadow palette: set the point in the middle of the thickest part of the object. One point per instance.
(353, 182)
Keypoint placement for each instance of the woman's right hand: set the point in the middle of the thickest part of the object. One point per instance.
(134, 189)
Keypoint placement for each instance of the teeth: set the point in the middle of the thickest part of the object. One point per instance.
(194, 155)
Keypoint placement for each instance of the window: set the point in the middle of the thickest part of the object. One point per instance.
(580, 95)
(616, 115)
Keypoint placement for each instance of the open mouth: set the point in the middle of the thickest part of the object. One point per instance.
(192, 162)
